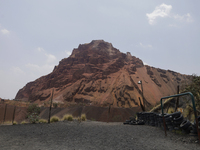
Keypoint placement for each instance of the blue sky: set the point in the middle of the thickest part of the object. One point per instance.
(36, 34)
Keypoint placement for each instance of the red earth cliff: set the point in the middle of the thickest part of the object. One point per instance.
(97, 73)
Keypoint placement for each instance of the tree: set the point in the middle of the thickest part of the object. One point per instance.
(194, 88)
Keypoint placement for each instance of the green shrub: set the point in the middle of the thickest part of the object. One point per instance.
(83, 117)
(68, 117)
(33, 108)
(43, 121)
(55, 105)
(54, 119)
(33, 118)
(33, 112)
(194, 88)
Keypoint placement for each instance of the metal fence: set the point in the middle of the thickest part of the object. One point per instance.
(11, 113)
(7, 113)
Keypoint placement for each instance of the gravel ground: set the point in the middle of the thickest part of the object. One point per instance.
(91, 135)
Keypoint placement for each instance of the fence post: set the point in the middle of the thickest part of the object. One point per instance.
(177, 102)
(4, 114)
(13, 115)
(50, 107)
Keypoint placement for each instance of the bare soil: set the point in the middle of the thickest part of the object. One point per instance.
(91, 135)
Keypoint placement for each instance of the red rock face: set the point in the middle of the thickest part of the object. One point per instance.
(97, 73)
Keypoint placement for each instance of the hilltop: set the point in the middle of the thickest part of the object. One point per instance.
(96, 73)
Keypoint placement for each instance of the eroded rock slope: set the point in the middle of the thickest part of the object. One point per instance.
(97, 73)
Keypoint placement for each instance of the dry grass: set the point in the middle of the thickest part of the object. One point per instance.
(8, 122)
(79, 119)
(17, 103)
(189, 113)
(54, 119)
(157, 107)
(15, 123)
(68, 117)
(170, 110)
(43, 121)
(24, 122)
(83, 117)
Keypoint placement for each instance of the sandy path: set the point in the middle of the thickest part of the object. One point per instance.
(90, 135)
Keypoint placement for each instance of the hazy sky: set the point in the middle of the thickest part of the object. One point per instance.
(36, 34)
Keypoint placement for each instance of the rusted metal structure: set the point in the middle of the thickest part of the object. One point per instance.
(194, 108)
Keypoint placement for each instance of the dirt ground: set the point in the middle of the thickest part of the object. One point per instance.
(91, 135)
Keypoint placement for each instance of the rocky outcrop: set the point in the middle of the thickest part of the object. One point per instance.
(99, 74)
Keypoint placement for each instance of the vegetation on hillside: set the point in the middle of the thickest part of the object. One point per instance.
(194, 88)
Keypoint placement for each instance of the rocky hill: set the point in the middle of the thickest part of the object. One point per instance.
(97, 73)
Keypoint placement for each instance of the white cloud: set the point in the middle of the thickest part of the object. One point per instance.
(50, 58)
(160, 11)
(186, 17)
(5, 31)
(17, 71)
(45, 67)
(173, 25)
(164, 11)
(33, 66)
(68, 52)
(40, 49)
(145, 46)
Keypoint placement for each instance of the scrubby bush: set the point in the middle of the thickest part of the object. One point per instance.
(33, 113)
(33, 118)
(79, 119)
(14, 122)
(83, 117)
(54, 119)
(43, 121)
(24, 122)
(194, 88)
(55, 105)
(68, 117)
(33, 108)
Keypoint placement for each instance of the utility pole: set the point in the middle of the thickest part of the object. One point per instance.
(140, 82)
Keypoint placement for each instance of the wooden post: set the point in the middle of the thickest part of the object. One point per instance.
(143, 96)
(50, 107)
(5, 113)
(177, 100)
(142, 106)
(108, 112)
(13, 115)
